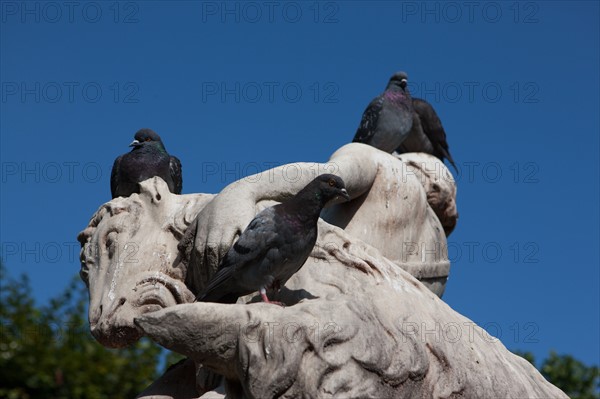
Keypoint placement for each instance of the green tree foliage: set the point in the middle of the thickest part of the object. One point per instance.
(575, 378)
(48, 352)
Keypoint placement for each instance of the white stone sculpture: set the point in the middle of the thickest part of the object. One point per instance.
(364, 317)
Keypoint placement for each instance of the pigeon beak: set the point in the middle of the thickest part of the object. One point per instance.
(134, 143)
(345, 194)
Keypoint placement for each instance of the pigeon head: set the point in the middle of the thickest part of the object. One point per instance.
(398, 80)
(145, 137)
(329, 187)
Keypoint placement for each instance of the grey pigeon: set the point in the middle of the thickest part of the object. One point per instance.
(427, 133)
(147, 159)
(388, 118)
(275, 244)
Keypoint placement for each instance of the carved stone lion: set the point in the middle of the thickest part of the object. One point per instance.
(364, 316)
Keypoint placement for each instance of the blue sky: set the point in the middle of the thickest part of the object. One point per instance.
(238, 87)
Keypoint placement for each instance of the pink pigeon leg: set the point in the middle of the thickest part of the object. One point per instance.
(263, 294)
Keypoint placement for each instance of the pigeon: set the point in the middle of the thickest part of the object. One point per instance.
(427, 133)
(275, 244)
(388, 118)
(147, 159)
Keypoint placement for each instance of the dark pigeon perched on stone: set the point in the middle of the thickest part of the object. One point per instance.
(427, 133)
(147, 159)
(388, 118)
(275, 244)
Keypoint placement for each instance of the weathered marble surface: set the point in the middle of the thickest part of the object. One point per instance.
(358, 323)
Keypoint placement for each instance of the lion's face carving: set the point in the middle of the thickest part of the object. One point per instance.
(130, 261)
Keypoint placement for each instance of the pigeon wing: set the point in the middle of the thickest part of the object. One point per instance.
(367, 126)
(114, 176)
(175, 170)
(249, 250)
(433, 129)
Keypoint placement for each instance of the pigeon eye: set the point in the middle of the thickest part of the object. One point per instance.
(331, 183)
(148, 139)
